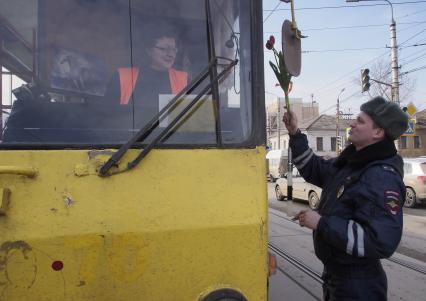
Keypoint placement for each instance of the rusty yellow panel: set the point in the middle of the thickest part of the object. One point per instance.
(4, 200)
(182, 223)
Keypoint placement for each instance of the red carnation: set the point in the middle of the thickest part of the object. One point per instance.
(269, 45)
(272, 40)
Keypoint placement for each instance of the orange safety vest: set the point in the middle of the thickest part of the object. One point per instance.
(129, 76)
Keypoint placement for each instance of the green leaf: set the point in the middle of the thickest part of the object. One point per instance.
(277, 73)
(283, 68)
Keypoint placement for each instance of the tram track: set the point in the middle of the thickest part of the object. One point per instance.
(296, 263)
(292, 259)
(407, 265)
(300, 266)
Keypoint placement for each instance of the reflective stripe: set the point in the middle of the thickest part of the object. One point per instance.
(301, 165)
(128, 78)
(300, 158)
(178, 80)
(392, 192)
(350, 246)
(360, 241)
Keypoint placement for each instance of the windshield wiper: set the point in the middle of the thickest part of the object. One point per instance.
(151, 125)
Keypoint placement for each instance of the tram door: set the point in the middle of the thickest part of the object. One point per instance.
(132, 150)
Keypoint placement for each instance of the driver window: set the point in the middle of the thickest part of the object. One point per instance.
(102, 69)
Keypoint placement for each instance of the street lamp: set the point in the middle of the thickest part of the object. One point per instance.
(337, 120)
(394, 53)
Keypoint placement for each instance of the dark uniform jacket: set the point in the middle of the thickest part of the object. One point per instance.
(361, 200)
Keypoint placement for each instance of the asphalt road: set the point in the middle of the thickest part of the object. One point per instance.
(413, 242)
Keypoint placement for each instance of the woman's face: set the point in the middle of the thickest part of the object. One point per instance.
(163, 53)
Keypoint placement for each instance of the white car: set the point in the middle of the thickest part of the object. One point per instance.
(302, 190)
(415, 181)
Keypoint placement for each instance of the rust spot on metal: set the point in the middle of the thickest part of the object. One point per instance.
(17, 245)
(94, 153)
(82, 283)
(68, 200)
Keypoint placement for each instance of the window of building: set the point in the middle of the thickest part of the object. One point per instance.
(403, 142)
(320, 144)
(417, 142)
(333, 144)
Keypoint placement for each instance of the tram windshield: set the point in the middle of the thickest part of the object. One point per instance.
(80, 72)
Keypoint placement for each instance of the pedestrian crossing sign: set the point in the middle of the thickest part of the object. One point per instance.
(411, 129)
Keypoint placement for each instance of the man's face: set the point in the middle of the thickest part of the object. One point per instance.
(163, 54)
(364, 131)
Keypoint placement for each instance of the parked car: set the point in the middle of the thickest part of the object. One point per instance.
(276, 163)
(302, 190)
(415, 181)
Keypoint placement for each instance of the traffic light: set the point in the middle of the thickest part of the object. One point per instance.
(365, 79)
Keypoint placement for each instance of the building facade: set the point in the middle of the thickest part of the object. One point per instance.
(306, 112)
(322, 136)
(414, 145)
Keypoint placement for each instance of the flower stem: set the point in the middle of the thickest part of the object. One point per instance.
(287, 101)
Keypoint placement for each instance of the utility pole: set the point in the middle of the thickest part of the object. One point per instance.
(337, 121)
(394, 54)
(278, 124)
(394, 58)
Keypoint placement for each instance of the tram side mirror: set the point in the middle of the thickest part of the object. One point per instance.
(31, 92)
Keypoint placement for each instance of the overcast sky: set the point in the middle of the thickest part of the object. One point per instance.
(325, 71)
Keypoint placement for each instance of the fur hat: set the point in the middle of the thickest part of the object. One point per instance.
(387, 115)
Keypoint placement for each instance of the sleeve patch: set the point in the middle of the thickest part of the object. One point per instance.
(392, 202)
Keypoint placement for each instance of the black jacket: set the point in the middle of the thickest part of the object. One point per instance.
(361, 201)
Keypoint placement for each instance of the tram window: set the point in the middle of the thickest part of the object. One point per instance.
(108, 67)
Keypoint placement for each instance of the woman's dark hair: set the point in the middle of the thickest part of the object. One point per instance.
(157, 31)
(145, 34)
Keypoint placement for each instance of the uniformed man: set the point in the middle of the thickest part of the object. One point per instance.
(359, 218)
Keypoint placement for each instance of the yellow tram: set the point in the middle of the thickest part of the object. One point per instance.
(154, 194)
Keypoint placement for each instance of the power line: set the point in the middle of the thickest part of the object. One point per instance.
(349, 73)
(360, 26)
(354, 26)
(412, 37)
(414, 45)
(415, 59)
(412, 54)
(344, 49)
(345, 27)
(349, 6)
(415, 13)
(413, 70)
(408, 27)
(270, 14)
